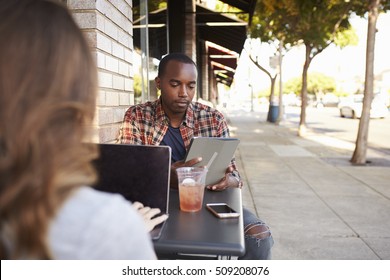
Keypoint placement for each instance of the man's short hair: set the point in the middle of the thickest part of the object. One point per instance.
(173, 56)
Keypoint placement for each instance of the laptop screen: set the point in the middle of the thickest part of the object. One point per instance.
(139, 173)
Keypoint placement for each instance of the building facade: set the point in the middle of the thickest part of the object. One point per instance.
(128, 38)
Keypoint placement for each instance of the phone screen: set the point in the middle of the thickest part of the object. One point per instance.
(222, 210)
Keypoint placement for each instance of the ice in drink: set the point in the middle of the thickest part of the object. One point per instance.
(191, 187)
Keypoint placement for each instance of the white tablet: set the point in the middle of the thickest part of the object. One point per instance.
(216, 155)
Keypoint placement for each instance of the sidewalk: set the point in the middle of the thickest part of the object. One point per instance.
(317, 205)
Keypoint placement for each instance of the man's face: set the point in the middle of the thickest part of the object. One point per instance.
(178, 86)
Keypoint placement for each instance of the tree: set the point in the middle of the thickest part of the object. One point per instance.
(272, 76)
(374, 7)
(317, 85)
(293, 85)
(315, 24)
(137, 87)
(265, 16)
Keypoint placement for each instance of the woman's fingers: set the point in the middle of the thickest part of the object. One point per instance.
(158, 220)
(137, 205)
(150, 212)
(149, 215)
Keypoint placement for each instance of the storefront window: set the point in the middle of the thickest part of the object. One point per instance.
(150, 44)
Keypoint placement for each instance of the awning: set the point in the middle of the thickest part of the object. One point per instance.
(223, 62)
(220, 29)
(226, 35)
(247, 6)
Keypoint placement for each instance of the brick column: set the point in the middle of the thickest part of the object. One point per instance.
(108, 27)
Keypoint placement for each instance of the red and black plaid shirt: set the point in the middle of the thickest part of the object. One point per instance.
(147, 123)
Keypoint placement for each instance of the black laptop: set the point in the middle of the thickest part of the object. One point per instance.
(139, 173)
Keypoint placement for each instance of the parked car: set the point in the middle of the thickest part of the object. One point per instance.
(328, 100)
(352, 107)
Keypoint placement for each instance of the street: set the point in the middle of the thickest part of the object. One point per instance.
(327, 121)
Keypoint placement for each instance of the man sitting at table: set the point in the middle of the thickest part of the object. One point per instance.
(173, 120)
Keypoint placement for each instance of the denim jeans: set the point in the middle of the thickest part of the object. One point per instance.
(258, 246)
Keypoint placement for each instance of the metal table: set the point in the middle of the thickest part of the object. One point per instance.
(201, 234)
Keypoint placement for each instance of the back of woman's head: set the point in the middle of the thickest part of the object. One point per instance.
(47, 97)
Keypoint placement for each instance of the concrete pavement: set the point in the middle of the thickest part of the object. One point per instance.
(317, 204)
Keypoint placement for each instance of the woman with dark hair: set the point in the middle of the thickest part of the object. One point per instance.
(48, 84)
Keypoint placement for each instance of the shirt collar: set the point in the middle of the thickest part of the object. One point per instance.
(189, 117)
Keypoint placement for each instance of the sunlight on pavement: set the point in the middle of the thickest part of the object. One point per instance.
(331, 142)
(258, 131)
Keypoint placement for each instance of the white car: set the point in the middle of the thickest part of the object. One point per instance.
(352, 107)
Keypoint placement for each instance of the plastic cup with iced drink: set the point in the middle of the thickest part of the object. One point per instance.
(191, 187)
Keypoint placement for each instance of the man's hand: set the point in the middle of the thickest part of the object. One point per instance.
(229, 181)
(149, 214)
(178, 164)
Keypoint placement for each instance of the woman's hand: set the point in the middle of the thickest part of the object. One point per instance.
(149, 215)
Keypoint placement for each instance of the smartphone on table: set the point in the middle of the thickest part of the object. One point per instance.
(222, 210)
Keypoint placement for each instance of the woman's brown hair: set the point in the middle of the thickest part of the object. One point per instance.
(47, 100)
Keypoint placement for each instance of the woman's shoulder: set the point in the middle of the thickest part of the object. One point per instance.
(97, 225)
(88, 197)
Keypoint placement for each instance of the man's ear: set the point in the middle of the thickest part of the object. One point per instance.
(157, 82)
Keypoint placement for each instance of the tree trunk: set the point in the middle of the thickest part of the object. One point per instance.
(271, 97)
(360, 153)
(273, 79)
(302, 123)
(281, 108)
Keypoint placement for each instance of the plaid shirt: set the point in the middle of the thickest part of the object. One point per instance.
(147, 123)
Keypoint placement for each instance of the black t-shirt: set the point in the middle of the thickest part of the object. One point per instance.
(174, 140)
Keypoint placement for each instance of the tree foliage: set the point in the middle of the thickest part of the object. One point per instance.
(153, 5)
(318, 83)
(137, 85)
(301, 21)
(361, 8)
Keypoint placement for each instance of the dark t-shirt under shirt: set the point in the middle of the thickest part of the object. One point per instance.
(174, 140)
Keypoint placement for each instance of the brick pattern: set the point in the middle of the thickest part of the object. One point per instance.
(107, 24)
